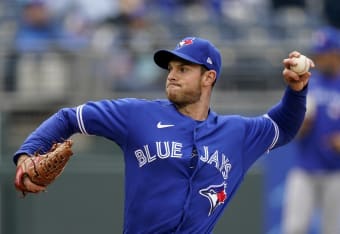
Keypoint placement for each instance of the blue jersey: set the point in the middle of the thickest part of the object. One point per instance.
(314, 151)
(180, 174)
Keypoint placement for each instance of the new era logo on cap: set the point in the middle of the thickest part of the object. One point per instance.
(195, 50)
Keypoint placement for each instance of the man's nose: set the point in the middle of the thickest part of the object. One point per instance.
(171, 76)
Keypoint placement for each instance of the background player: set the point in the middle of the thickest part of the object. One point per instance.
(314, 182)
(183, 162)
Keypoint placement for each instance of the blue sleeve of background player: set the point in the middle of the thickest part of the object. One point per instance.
(289, 114)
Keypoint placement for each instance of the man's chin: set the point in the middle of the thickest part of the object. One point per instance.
(173, 97)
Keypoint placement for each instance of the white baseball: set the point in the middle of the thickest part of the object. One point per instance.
(302, 65)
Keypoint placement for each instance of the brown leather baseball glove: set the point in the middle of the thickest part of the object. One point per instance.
(43, 169)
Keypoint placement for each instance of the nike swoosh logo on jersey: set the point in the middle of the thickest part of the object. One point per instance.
(160, 125)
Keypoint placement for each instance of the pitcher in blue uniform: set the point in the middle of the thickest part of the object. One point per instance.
(183, 161)
(314, 182)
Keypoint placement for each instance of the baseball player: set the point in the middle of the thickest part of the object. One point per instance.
(313, 183)
(183, 161)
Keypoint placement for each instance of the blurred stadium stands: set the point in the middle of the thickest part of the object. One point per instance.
(111, 56)
(115, 56)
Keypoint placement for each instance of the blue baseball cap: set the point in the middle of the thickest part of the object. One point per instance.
(192, 49)
(325, 40)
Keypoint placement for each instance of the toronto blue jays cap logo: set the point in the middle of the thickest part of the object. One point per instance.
(216, 195)
(192, 49)
(187, 41)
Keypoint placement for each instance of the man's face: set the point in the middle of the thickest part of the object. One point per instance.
(328, 63)
(36, 14)
(183, 84)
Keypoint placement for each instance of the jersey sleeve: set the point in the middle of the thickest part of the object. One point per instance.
(289, 114)
(58, 127)
(276, 128)
(107, 118)
(261, 134)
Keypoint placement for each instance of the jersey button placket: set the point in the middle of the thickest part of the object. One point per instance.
(194, 162)
(192, 166)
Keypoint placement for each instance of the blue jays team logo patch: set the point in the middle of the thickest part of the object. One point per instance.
(216, 195)
(187, 41)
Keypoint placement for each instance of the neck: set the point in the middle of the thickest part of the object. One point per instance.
(197, 111)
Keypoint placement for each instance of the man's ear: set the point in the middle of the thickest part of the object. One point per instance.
(210, 77)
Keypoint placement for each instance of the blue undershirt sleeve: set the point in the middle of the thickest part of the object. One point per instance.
(289, 114)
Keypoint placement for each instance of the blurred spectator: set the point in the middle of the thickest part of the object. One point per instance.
(314, 183)
(124, 42)
(35, 30)
(39, 33)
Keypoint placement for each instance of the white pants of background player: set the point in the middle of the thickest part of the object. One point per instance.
(305, 192)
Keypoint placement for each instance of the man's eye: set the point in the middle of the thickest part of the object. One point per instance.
(183, 69)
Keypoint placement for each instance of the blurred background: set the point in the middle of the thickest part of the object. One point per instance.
(63, 53)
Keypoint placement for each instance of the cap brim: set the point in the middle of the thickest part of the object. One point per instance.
(163, 57)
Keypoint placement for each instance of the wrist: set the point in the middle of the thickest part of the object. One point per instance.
(302, 91)
(22, 158)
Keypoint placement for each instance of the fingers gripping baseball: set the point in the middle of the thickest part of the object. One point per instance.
(35, 173)
(296, 72)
